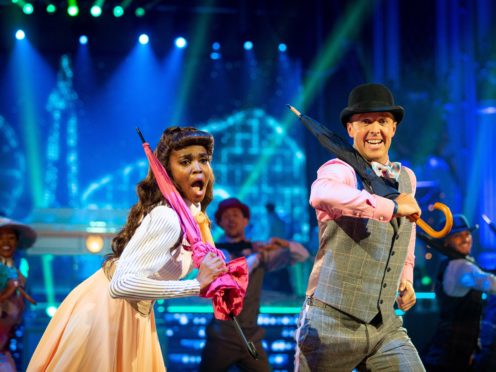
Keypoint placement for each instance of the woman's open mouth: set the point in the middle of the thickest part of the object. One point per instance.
(198, 186)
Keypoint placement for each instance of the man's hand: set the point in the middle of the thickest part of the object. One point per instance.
(407, 206)
(406, 298)
(273, 243)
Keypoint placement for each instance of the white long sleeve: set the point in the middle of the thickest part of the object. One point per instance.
(148, 268)
(461, 276)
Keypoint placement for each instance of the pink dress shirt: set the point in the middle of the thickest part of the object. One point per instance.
(334, 194)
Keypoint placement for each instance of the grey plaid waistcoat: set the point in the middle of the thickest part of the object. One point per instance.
(362, 262)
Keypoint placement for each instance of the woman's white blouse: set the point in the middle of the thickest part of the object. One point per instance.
(148, 267)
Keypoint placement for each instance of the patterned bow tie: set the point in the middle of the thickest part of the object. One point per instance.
(391, 170)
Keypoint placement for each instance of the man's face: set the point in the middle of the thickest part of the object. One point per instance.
(233, 222)
(460, 242)
(372, 133)
(8, 242)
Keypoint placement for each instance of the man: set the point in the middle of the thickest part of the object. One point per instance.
(459, 286)
(223, 348)
(13, 235)
(365, 257)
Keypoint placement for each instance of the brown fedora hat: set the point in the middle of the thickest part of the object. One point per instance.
(231, 203)
(371, 97)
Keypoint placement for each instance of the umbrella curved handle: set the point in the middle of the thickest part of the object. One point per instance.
(429, 230)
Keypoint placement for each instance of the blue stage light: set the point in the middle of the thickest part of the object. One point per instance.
(248, 45)
(283, 47)
(83, 39)
(144, 39)
(181, 42)
(215, 56)
(20, 35)
(216, 46)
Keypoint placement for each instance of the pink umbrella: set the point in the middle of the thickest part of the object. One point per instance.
(228, 290)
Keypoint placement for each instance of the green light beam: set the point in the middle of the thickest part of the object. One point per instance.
(46, 264)
(346, 29)
(198, 43)
(30, 126)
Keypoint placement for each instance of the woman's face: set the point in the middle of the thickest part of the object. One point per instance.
(8, 242)
(190, 168)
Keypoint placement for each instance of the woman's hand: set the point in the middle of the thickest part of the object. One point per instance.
(211, 267)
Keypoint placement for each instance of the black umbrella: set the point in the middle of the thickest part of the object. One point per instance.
(438, 245)
(378, 185)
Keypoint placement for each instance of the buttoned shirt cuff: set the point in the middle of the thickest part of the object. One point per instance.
(384, 209)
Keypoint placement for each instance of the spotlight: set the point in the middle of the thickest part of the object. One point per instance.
(282, 47)
(50, 310)
(51, 8)
(118, 11)
(143, 39)
(181, 42)
(248, 45)
(96, 8)
(215, 56)
(139, 12)
(28, 8)
(94, 243)
(20, 35)
(96, 11)
(426, 280)
(216, 46)
(73, 10)
(83, 40)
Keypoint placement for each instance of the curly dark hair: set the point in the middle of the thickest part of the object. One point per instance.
(149, 195)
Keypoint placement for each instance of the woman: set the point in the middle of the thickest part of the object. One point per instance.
(107, 322)
(14, 236)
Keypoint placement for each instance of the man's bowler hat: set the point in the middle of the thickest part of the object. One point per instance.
(371, 98)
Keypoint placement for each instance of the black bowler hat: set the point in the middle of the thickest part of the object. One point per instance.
(371, 98)
(231, 203)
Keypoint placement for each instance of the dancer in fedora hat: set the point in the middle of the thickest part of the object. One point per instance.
(13, 236)
(365, 259)
(459, 285)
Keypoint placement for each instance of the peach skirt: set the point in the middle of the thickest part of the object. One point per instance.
(93, 332)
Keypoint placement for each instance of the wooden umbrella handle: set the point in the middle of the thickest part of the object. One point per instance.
(429, 230)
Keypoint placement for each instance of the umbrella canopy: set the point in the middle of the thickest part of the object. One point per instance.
(228, 290)
(347, 153)
(378, 185)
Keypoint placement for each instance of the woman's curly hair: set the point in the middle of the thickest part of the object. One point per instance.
(149, 195)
